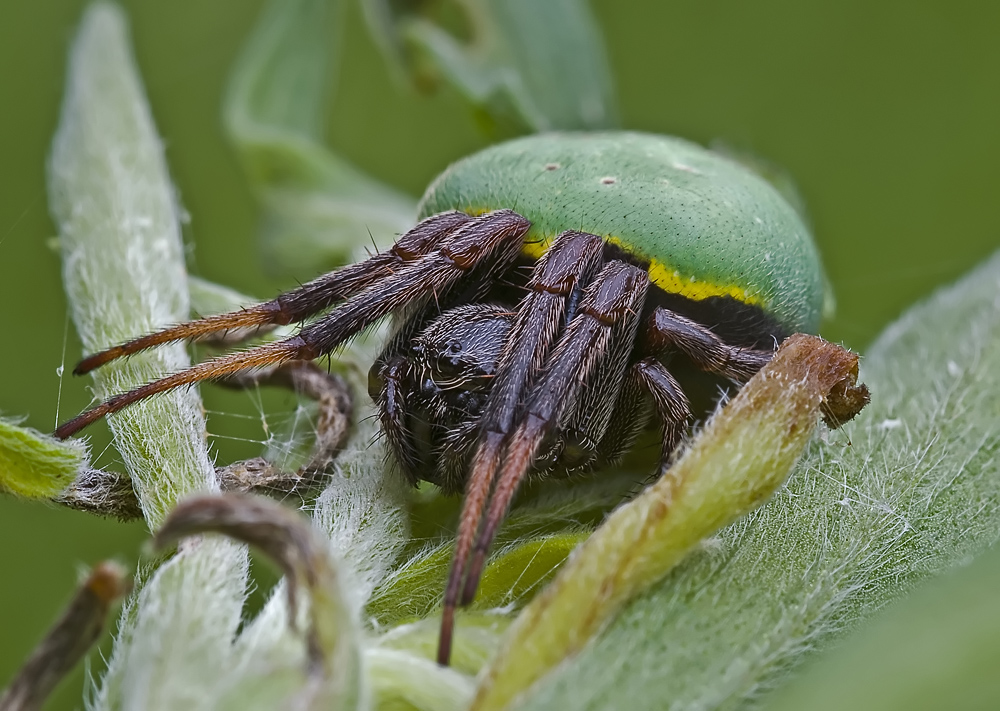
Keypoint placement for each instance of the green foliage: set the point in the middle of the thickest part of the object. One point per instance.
(315, 204)
(539, 65)
(936, 650)
(36, 466)
(333, 677)
(110, 194)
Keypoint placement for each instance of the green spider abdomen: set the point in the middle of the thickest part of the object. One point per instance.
(719, 242)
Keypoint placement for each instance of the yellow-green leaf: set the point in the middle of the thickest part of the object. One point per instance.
(37, 466)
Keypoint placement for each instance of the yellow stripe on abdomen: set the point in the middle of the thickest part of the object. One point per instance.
(662, 275)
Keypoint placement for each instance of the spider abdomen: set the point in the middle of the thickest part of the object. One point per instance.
(720, 244)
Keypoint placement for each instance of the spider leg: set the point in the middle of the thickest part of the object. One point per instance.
(390, 397)
(649, 380)
(570, 262)
(583, 427)
(299, 303)
(670, 331)
(215, 369)
(495, 237)
(669, 402)
(629, 419)
(615, 297)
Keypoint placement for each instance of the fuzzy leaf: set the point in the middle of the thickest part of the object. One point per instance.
(936, 650)
(516, 572)
(124, 273)
(909, 490)
(209, 298)
(175, 635)
(36, 466)
(318, 208)
(539, 64)
(123, 260)
(478, 635)
(403, 681)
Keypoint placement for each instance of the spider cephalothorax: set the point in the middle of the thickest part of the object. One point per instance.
(431, 390)
(537, 305)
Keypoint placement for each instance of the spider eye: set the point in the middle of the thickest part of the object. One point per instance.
(451, 364)
(460, 348)
(456, 356)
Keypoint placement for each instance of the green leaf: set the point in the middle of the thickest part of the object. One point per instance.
(548, 520)
(516, 572)
(908, 491)
(37, 466)
(402, 681)
(318, 208)
(540, 65)
(209, 298)
(123, 267)
(936, 650)
(477, 639)
(123, 260)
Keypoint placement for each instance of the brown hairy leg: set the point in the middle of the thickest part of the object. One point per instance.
(295, 305)
(495, 237)
(568, 265)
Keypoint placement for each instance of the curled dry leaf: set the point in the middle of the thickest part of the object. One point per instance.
(68, 640)
(740, 458)
(102, 493)
(111, 494)
(333, 398)
(304, 556)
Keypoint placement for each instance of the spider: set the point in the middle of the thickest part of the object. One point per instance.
(537, 307)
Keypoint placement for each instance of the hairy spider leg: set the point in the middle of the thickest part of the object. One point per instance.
(670, 331)
(615, 296)
(669, 402)
(561, 272)
(222, 367)
(495, 236)
(630, 417)
(297, 304)
(392, 409)
(583, 426)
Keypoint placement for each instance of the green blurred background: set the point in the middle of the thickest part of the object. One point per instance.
(886, 114)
